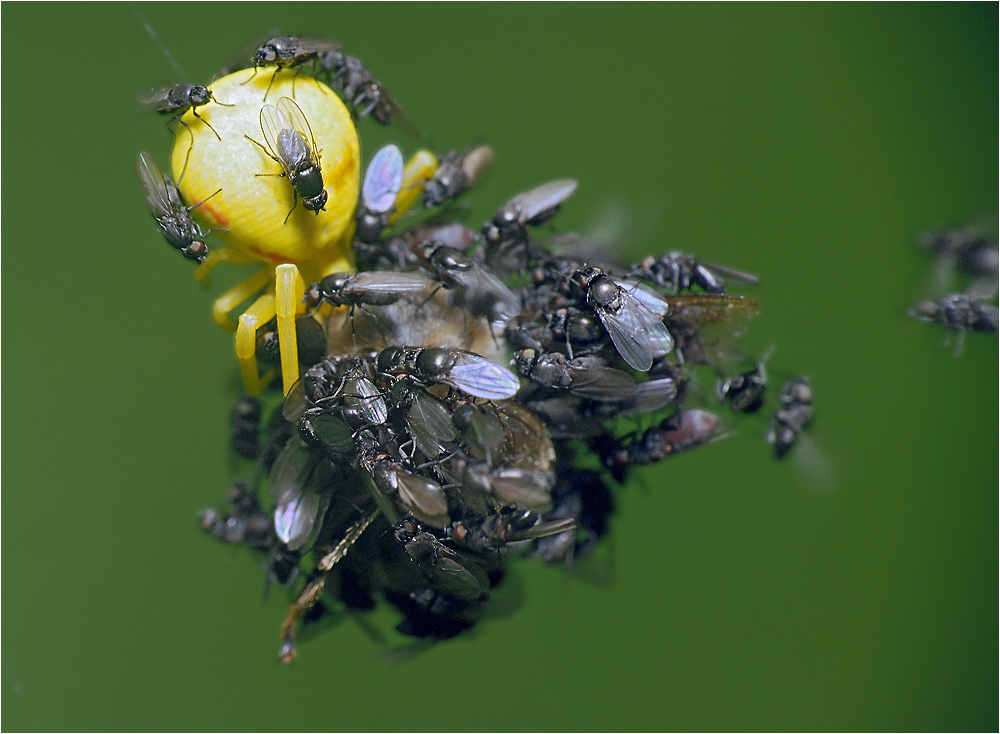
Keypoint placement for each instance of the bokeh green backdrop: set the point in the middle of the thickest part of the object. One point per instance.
(808, 144)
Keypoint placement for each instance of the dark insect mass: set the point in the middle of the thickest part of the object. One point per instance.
(494, 393)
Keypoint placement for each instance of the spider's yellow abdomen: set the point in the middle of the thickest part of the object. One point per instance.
(253, 208)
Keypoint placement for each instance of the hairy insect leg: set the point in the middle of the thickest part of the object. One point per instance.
(416, 173)
(252, 319)
(221, 255)
(305, 601)
(187, 156)
(289, 292)
(228, 301)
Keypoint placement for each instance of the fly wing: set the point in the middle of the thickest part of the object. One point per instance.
(638, 334)
(362, 392)
(296, 514)
(383, 179)
(646, 296)
(154, 182)
(481, 378)
(429, 421)
(424, 498)
(484, 285)
(526, 488)
(272, 123)
(293, 113)
(388, 282)
(543, 198)
(154, 97)
(602, 383)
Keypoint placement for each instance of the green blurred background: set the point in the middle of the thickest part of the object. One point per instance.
(808, 144)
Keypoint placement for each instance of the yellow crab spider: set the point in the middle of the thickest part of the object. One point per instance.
(251, 209)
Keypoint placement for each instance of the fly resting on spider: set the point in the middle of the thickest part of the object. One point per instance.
(288, 179)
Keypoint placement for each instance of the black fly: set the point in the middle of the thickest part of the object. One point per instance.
(290, 143)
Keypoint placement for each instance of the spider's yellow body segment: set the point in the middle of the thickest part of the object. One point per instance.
(253, 207)
(247, 202)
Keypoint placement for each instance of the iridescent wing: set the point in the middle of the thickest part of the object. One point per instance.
(479, 377)
(638, 334)
(383, 179)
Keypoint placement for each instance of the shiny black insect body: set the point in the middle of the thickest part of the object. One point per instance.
(745, 391)
(360, 90)
(419, 496)
(681, 272)
(478, 289)
(676, 434)
(587, 377)
(631, 313)
(290, 143)
(959, 312)
(286, 52)
(170, 212)
(466, 371)
(792, 417)
(180, 98)
(456, 174)
(508, 230)
(428, 419)
(369, 289)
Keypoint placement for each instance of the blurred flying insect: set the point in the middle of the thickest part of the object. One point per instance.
(286, 52)
(291, 145)
(170, 212)
(959, 312)
(791, 419)
(631, 313)
(457, 174)
(382, 182)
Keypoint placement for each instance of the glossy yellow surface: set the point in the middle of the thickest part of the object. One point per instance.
(252, 207)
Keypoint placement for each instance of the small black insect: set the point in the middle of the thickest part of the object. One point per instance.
(682, 272)
(507, 233)
(959, 312)
(180, 98)
(587, 377)
(382, 181)
(170, 212)
(745, 391)
(286, 52)
(676, 434)
(466, 371)
(478, 289)
(792, 417)
(363, 92)
(291, 145)
(456, 174)
(631, 313)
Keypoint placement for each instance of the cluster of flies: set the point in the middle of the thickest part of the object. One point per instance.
(288, 138)
(412, 471)
(970, 255)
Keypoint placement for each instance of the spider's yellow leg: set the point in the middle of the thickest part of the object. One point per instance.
(252, 319)
(221, 255)
(417, 171)
(240, 292)
(289, 290)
